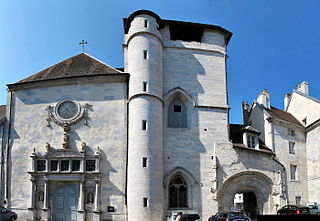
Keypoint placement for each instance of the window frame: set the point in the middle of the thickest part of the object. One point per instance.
(292, 149)
(294, 176)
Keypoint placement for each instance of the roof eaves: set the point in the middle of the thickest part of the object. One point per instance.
(69, 77)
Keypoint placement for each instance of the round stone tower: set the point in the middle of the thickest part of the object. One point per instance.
(143, 60)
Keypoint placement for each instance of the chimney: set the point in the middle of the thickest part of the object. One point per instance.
(286, 101)
(264, 99)
(303, 88)
(245, 112)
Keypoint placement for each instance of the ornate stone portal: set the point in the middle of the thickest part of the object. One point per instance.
(59, 167)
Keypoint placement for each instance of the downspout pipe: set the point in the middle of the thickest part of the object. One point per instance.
(2, 122)
(6, 191)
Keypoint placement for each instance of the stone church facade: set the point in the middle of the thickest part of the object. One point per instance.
(85, 141)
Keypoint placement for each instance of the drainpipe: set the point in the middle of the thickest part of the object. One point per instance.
(6, 191)
(2, 161)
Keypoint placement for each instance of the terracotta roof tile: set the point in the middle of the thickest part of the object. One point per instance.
(79, 65)
(283, 115)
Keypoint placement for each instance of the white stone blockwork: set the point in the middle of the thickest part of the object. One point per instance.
(84, 141)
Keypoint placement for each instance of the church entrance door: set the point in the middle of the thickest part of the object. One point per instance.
(65, 204)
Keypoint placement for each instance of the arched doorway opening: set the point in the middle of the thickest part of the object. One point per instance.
(246, 201)
(256, 189)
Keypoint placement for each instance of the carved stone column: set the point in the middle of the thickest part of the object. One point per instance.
(45, 212)
(97, 196)
(32, 198)
(81, 196)
(45, 200)
(32, 209)
(96, 211)
(81, 212)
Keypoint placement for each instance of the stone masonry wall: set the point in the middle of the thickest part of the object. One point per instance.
(107, 130)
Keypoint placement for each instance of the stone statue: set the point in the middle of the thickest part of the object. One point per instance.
(90, 198)
(48, 147)
(34, 151)
(83, 147)
(41, 196)
(65, 143)
(66, 127)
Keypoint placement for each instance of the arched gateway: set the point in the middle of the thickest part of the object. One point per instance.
(252, 185)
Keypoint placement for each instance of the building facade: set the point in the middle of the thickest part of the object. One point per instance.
(85, 141)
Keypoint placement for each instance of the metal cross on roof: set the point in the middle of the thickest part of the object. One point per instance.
(83, 43)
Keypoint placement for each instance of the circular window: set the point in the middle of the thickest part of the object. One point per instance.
(67, 109)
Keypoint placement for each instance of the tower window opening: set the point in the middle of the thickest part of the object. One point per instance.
(144, 125)
(145, 54)
(145, 23)
(177, 114)
(144, 86)
(176, 108)
(185, 32)
(144, 161)
(145, 201)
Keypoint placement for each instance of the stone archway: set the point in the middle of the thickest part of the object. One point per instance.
(247, 182)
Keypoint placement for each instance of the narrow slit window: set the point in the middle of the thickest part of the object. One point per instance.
(144, 125)
(145, 23)
(144, 86)
(144, 162)
(145, 54)
(145, 202)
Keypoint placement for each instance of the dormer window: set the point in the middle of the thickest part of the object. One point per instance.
(251, 141)
(291, 132)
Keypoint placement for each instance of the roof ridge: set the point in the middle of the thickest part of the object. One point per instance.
(77, 65)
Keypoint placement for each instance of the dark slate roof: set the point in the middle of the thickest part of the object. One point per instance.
(2, 111)
(76, 66)
(283, 115)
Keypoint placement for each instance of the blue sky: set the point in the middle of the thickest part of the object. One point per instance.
(275, 44)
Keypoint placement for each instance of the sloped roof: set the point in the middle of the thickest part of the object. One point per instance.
(283, 115)
(79, 65)
(2, 111)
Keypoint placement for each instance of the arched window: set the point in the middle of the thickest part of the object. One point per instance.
(177, 114)
(178, 192)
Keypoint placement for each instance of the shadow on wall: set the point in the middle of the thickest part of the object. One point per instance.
(185, 145)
